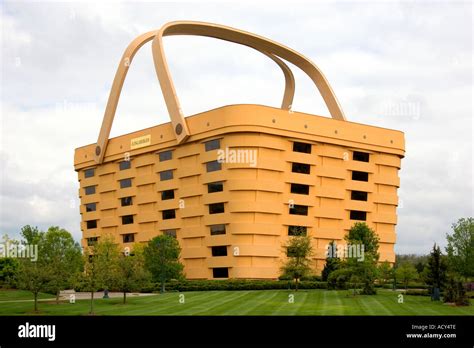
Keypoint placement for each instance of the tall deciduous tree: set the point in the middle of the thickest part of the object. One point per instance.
(61, 251)
(406, 272)
(332, 261)
(131, 274)
(298, 249)
(385, 273)
(460, 248)
(162, 259)
(364, 267)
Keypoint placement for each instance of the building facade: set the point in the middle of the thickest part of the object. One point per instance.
(247, 179)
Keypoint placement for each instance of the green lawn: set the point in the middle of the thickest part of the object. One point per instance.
(265, 302)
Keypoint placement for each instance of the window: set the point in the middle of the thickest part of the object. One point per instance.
(91, 224)
(168, 214)
(300, 189)
(213, 166)
(219, 251)
(90, 207)
(358, 215)
(88, 173)
(299, 210)
(301, 147)
(301, 168)
(168, 194)
(217, 186)
(128, 238)
(359, 196)
(220, 272)
(217, 229)
(124, 165)
(125, 183)
(125, 201)
(89, 190)
(360, 156)
(127, 219)
(216, 208)
(297, 230)
(212, 144)
(171, 233)
(166, 175)
(165, 155)
(360, 176)
(92, 241)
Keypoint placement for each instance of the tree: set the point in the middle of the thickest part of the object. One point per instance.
(435, 272)
(33, 275)
(131, 273)
(60, 250)
(385, 273)
(162, 259)
(8, 270)
(100, 267)
(455, 292)
(406, 272)
(332, 261)
(298, 250)
(366, 267)
(460, 248)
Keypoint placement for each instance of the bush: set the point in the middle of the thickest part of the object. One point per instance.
(338, 279)
(233, 284)
(417, 292)
(455, 292)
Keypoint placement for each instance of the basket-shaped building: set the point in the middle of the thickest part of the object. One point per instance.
(234, 183)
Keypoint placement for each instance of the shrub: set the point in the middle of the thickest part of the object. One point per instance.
(417, 292)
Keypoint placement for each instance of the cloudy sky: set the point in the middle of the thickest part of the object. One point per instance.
(403, 65)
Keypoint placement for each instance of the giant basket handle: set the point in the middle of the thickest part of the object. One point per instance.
(266, 46)
(121, 73)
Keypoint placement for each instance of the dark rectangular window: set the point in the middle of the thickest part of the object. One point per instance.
(217, 186)
(212, 144)
(358, 215)
(299, 210)
(216, 208)
(166, 175)
(168, 194)
(220, 272)
(301, 168)
(165, 155)
(219, 251)
(360, 156)
(170, 232)
(124, 183)
(125, 201)
(300, 189)
(91, 207)
(213, 166)
(360, 176)
(127, 219)
(89, 190)
(91, 224)
(359, 196)
(92, 241)
(301, 147)
(168, 214)
(297, 230)
(217, 229)
(124, 165)
(128, 238)
(88, 173)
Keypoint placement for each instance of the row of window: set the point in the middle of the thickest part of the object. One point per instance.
(306, 148)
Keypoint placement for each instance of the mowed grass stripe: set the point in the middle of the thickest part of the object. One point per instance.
(267, 306)
(250, 303)
(219, 307)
